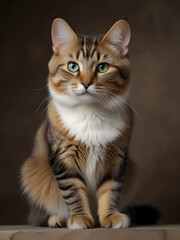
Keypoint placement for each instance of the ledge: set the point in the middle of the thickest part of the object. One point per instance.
(159, 232)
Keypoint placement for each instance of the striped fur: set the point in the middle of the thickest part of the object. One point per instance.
(81, 149)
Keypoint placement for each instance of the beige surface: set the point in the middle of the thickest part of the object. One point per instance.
(169, 232)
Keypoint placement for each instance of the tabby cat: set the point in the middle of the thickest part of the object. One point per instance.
(79, 174)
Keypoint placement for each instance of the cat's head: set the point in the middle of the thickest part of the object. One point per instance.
(87, 69)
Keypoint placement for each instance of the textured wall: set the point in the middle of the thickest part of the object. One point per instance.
(155, 54)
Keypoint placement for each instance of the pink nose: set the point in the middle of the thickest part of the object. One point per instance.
(86, 84)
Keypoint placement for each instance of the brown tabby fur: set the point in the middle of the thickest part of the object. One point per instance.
(54, 177)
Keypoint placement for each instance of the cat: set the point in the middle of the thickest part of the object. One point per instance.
(79, 174)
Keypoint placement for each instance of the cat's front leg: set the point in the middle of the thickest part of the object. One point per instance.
(76, 199)
(108, 195)
(73, 189)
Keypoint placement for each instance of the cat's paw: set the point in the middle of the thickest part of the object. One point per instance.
(55, 221)
(117, 220)
(80, 222)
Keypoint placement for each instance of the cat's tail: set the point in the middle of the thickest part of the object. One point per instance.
(143, 215)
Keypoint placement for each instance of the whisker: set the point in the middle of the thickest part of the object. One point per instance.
(106, 101)
(141, 123)
(44, 100)
(115, 105)
(44, 111)
(39, 89)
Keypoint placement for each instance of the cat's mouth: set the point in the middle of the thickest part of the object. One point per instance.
(85, 93)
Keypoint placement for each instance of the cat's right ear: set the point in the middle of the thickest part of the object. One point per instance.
(62, 35)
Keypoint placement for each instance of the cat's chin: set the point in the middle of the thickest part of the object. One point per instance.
(86, 97)
(84, 94)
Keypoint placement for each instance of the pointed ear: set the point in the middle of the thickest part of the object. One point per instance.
(62, 35)
(118, 37)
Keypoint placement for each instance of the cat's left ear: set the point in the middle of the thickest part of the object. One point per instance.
(62, 35)
(118, 37)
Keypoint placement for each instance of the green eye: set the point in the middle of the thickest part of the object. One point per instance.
(73, 67)
(102, 67)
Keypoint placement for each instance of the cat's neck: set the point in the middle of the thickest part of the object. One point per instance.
(89, 124)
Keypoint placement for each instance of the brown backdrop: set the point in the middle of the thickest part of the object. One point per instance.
(155, 55)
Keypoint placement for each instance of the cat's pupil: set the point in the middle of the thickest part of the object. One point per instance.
(102, 66)
(73, 65)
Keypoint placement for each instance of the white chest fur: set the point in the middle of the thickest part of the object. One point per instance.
(95, 154)
(90, 124)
